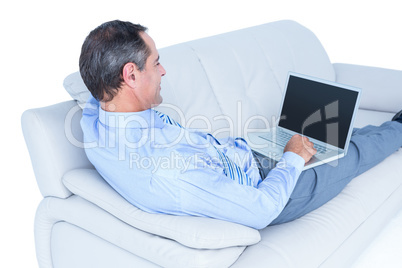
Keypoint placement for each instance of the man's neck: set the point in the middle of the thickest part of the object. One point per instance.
(123, 102)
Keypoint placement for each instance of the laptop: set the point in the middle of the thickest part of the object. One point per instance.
(321, 110)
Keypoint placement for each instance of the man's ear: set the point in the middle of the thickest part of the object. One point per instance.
(129, 74)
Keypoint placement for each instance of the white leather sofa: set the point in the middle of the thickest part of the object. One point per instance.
(224, 80)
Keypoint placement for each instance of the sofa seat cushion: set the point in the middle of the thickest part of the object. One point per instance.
(194, 232)
(345, 222)
(315, 239)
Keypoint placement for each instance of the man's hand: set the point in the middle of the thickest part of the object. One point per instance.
(301, 146)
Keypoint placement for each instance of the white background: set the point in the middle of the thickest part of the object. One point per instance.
(41, 41)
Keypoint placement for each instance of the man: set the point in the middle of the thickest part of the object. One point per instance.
(136, 145)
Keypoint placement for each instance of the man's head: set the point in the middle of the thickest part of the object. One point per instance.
(118, 54)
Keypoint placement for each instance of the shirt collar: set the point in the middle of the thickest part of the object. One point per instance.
(143, 119)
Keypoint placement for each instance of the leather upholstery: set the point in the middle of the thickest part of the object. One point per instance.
(225, 80)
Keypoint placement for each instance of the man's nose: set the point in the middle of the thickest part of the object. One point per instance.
(162, 70)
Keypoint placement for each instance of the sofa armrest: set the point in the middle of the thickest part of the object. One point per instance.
(85, 215)
(194, 232)
(381, 88)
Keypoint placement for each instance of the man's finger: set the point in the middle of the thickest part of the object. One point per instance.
(312, 150)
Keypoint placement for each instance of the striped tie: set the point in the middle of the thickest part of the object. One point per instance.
(230, 168)
(167, 119)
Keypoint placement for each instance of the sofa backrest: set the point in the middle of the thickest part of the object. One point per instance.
(240, 75)
(223, 84)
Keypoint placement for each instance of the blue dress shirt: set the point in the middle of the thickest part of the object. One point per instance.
(164, 168)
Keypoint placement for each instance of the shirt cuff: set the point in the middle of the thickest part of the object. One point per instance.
(292, 159)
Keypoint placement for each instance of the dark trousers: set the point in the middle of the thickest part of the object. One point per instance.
(316, 186)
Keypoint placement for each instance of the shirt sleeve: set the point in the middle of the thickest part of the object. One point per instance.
(205, 192)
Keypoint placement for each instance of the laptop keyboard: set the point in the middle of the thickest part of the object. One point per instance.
(283, 137)
(321, 149)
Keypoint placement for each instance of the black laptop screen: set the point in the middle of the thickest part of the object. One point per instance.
(318, 110)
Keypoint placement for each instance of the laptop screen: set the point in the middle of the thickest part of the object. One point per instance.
(318, 110)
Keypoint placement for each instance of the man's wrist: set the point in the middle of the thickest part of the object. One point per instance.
(291, 159)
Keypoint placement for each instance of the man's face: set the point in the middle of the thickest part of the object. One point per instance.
(149, 79)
